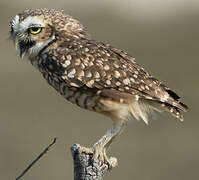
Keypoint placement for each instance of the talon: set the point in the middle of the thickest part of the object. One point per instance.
(100, 156)
(112, 162)
(85, 150)
(97, 153)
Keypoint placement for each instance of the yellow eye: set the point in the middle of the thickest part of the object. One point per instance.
(35, 30)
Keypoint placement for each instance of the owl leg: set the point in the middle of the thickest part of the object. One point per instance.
(100, 147)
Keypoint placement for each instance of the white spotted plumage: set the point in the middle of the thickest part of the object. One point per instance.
(91, 74)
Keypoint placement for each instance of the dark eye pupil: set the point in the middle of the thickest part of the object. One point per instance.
(35, 28)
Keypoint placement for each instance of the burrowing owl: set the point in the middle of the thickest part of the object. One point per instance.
(90, 74)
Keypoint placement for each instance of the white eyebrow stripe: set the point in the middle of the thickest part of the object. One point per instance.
(15, 23)
(24, 25)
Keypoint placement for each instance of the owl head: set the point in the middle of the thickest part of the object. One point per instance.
(34, 29)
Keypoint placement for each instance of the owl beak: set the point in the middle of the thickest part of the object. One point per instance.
(18, 48)
(16, 42)
(22, 50)
(22, 54)
(24, 46)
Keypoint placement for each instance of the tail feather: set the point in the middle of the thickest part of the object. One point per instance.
(174, 99)
(173, 104)
(143, 109)
(173, 110)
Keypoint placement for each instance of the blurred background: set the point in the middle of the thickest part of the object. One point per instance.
(164, 38)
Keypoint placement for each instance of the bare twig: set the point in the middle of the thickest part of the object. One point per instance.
(35, 160)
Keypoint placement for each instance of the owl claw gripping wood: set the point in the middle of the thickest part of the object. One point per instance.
(93, 75)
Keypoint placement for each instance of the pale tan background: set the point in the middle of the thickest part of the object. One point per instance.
(164, 37)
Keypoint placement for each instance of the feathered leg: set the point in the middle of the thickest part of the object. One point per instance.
(100, 147)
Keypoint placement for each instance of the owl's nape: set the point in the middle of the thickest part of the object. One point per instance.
(93, 75)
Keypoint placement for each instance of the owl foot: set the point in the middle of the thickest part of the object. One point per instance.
(85, 150)
(99, 154)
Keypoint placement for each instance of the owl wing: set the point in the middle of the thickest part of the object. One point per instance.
(97, 66)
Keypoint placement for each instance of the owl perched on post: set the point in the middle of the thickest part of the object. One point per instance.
(93, 75)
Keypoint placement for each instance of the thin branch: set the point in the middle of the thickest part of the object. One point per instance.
(35, 160)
